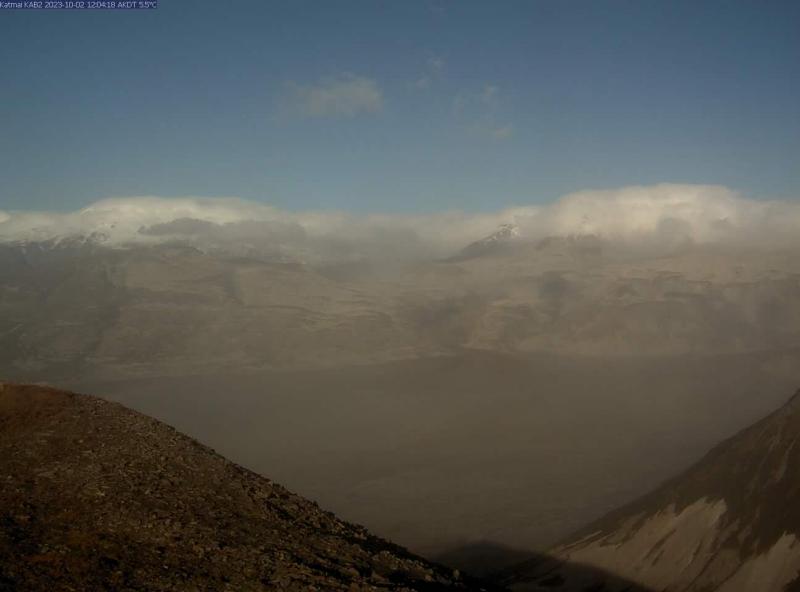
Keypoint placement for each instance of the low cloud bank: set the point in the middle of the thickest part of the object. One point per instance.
(661, 216)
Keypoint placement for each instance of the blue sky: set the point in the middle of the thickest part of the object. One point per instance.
(397, 106)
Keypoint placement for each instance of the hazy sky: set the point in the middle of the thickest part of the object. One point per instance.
(397, 106)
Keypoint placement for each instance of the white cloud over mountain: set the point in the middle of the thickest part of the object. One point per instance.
(661, 216)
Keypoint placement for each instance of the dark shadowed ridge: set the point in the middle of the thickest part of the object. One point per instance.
(483, 558)
(95, 496)
(544, 572)
(500, 563)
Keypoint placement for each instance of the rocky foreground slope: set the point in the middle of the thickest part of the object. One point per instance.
(94, 496)
(731, 523)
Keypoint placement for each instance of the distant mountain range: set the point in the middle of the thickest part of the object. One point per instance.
(731, 523)
(76, 307)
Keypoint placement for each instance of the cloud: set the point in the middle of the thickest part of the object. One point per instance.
(489, 95)
(660, 216)
(670, 214)
(435, 63)
(434, 66)
(180, 227)
(502, 133)
(344, 96)
(482, 102)
(481, 113)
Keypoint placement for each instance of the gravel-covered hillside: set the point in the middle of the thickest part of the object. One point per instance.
(94, 496)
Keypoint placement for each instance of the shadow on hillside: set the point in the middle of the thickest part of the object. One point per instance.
(525, 570)
(483, 558)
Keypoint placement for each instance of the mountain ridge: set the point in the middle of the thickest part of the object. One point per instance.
(727, 523)
(492, 244)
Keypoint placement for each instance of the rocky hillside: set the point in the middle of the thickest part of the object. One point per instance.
(94, 496)
(731, 523)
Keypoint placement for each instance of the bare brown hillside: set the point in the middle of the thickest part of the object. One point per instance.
(94, 496)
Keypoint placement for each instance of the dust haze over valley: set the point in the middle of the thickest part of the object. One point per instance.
(447, 380)
(408, 296)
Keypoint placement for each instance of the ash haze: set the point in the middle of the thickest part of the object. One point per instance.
(471, 275)
(447, 379)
